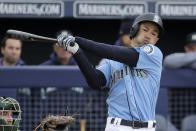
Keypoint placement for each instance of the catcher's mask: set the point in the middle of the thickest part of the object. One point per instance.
(10, 114)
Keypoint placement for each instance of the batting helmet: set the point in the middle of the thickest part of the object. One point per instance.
(9, 105)
(146, 17)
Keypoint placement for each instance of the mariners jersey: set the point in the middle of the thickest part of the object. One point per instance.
(134, 90)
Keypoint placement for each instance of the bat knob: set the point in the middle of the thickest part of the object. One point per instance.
(72, 44)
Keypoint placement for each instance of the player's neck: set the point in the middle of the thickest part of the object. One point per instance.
(135, 44)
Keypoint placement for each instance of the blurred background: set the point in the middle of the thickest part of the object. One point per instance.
(40, 92)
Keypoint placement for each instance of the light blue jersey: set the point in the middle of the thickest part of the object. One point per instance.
(134, 90)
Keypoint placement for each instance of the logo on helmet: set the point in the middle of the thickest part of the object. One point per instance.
(156, 19)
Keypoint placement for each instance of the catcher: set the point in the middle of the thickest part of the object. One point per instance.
(10, 117)
(10, 114)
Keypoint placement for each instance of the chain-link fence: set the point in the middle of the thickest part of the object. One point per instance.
(89, 104)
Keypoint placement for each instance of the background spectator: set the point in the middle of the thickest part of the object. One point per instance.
(59, 56)
(186, 59)
(124, 33)
(11, 50)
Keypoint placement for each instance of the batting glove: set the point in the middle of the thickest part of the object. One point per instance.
(68, 43)
(72, 47)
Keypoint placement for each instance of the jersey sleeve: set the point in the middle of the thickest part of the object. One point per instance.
(150, 59)
(105, 68)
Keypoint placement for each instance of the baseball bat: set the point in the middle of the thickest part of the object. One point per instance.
(82, 125)
(28, 36)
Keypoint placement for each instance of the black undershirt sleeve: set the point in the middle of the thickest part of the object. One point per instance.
(95, 78)
(126, 55)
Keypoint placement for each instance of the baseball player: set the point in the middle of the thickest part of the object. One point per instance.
(10, 114)
(132, 73)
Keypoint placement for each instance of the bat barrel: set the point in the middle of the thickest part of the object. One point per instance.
(28, 36)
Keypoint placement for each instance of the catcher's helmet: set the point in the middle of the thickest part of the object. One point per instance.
(151, 17)
(9, 105)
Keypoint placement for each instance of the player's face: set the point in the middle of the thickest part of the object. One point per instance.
(148, 34)
(190, 48)
(7, 116)
(12, 51)
(63, 56)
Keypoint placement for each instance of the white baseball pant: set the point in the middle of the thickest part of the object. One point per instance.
(117, 127)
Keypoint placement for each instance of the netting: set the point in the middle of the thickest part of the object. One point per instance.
(182, 102)
(90, 104)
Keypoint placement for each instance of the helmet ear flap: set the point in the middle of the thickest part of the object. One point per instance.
(134, 30)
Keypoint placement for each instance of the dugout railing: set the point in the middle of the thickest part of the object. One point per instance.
(43, 90)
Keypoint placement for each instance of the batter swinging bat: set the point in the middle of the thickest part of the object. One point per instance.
(28, 36)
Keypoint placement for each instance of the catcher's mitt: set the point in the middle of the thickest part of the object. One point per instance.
(56, 123)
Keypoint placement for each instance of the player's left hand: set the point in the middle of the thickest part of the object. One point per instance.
(64, 40)
(68, 43)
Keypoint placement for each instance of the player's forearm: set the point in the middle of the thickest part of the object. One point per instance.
(122, 54)
(94, 77)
